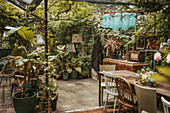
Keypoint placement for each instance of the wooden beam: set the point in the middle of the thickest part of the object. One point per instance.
(112, 2)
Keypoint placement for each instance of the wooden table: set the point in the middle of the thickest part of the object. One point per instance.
(162, 88)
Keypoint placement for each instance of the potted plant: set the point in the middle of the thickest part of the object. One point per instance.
(74, 68)
(52, 92)
(31, 60)
(25, 100)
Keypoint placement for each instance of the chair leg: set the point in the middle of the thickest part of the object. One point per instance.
(106, 101)
(139, 110)
(6, 80)
(115, 100)
(10, 81)
(1, 80)
(102, 97)
(120, 108)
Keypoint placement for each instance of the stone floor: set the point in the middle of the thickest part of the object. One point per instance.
(77, 94)
(73, 95)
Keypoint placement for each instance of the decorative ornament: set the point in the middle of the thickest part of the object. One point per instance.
(82, 55)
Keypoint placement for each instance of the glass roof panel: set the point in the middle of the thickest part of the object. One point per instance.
(28, 1)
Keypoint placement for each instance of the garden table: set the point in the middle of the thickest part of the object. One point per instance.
(162, 88)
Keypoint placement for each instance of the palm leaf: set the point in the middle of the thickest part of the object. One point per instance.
(159, 78)
(164, 70)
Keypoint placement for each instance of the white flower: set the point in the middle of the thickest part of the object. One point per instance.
(150, 72)
(168, 58)
(148, 76)
(144, 76)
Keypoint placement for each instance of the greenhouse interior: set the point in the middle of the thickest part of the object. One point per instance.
(84, 56)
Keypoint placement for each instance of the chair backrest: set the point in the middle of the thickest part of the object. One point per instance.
(125, 92)
(166, 105)
(110, 82)
(146, 97)
(107, 67)
(8, 70)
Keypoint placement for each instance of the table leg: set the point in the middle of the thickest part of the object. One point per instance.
(99, 89)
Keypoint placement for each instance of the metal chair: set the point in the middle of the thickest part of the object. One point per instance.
(110, 88)
(126, 96)
(105, 68)
(166, 105)
(146, 97)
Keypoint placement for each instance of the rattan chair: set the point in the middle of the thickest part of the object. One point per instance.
(110, 88)
(7, 73)
(166, 105)
(126, 99)
(105, 68)
(146, 97)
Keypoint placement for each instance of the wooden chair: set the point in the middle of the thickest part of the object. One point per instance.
(126, 96)
(110, 88)
(147, 100)
(105, 68)
(166, 105)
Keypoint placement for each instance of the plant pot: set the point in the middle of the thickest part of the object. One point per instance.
(54, 102)
(80, 76)
(24, 105)
(65, 76)
(74, 74)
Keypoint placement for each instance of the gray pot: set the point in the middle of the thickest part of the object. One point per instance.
(65, 76)
(74, 74)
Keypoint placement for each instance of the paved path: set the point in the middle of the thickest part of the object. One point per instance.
(74, 94)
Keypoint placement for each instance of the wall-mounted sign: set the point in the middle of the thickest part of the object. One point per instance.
(70, 48)
(76, 38)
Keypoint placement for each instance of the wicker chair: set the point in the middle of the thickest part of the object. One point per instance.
(147, 100)
(126, 96)
(7, 73)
